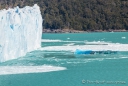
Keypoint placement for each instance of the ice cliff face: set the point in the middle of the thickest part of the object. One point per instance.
(20, 31)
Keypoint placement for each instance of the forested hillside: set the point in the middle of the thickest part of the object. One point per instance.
(79, 14)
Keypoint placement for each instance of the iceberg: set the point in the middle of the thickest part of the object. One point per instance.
(20, 31)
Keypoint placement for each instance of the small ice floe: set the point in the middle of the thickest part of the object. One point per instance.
(123, 37)
(71, 44)
(68, 38)
(97, 43)
(7, 70)
(49, 40)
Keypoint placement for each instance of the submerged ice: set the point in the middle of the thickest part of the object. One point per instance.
(20, 31)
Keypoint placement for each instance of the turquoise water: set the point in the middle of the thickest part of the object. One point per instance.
(80, 70)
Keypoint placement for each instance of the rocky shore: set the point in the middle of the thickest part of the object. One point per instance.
(62, 31)
(78, 31)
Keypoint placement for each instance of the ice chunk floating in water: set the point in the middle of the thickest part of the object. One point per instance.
(5, 70)
(20, 31)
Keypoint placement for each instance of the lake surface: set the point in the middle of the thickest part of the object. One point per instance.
(55, 63)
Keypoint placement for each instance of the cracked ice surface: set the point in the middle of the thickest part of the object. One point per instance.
(20, 31)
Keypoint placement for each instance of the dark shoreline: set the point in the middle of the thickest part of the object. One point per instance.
(78, 31)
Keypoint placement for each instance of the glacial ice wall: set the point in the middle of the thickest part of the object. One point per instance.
(20, 31)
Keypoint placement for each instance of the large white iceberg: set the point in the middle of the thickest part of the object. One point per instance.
(20, 31)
